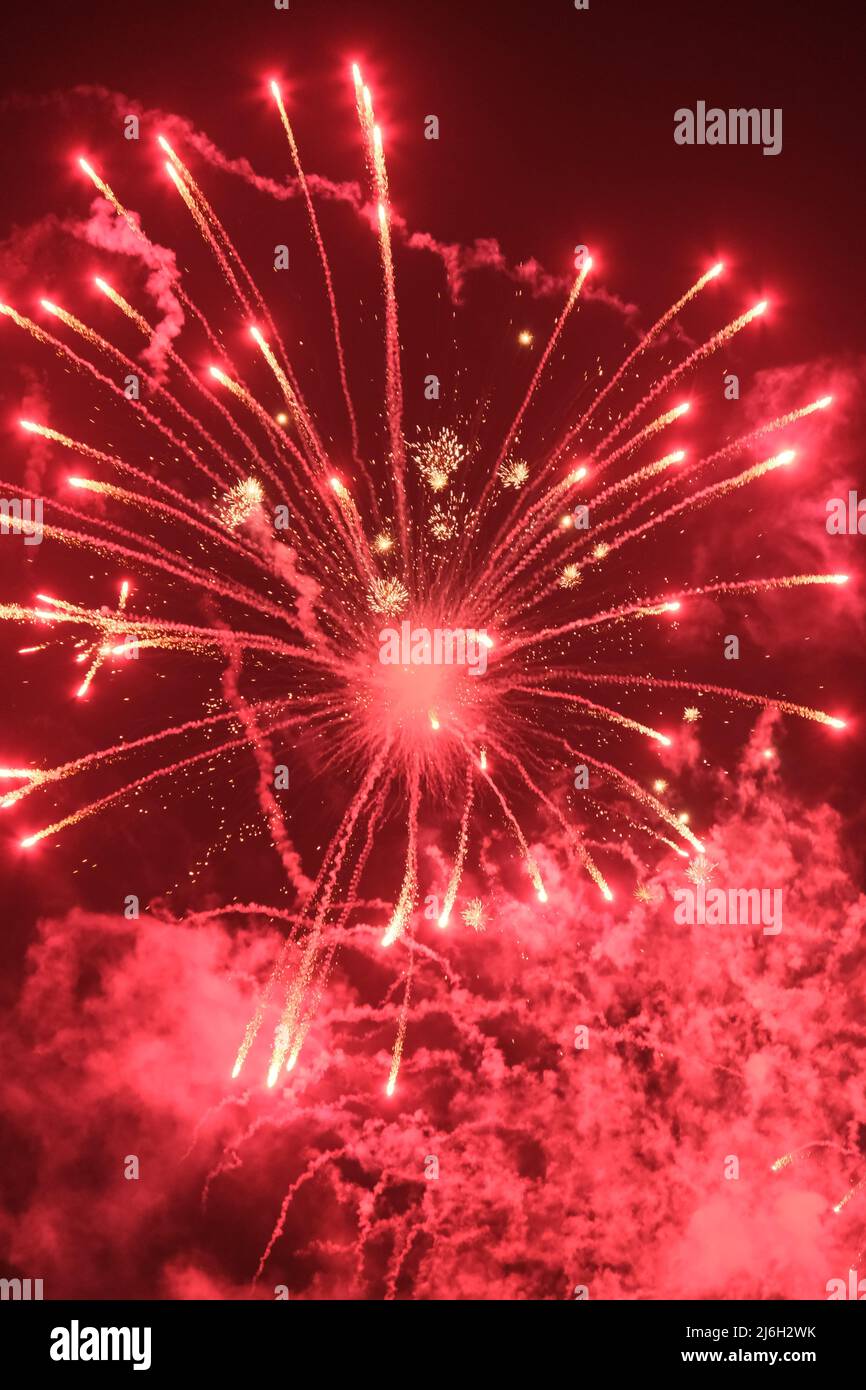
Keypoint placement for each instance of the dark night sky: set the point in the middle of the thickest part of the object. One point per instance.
(557, 125)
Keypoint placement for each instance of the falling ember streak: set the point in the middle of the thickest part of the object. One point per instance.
(720, 489)
(645, 432)
(76, 817)
(848, 1196)
(154, 559)
(821, 1148)
(712, 344)
(152, 419)
(534, 552)
(241, 394)
(239, 502)
(115, 751)
(200, 218)
(462, 843)
(97, 341)
(406, 899)
(296, 408)
(599, 711)
(331, 865)
(577, 848)
(316, 994)
(400, 1040)
(639, 794)
(326, 270)
(393, 375)
(108, 194)
(531, 866)
(666, 318)
(765, 701)
(144, 327)
(654, 607)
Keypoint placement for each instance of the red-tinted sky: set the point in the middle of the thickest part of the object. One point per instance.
(556, 128)
(557, 125)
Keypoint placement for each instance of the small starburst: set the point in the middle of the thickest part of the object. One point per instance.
(239, 502)
(691, 714)
(383, 543)
(645, 894)
(388, 596)
(473, 914)
(701, 869)
(513, 473)
(442, 524)
(438, 457)
(570, 577)
(660, 785)
(600, 551)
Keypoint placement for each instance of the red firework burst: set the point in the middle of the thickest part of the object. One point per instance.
(427, 617)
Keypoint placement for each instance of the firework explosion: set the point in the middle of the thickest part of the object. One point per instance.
(297, 547)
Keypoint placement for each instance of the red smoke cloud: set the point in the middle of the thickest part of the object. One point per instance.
(558, 1166)
(111, 233)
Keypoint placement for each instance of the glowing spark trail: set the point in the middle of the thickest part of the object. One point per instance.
(393, 374)
(326, 268)
(462, 843)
